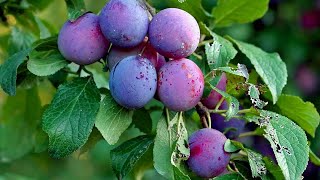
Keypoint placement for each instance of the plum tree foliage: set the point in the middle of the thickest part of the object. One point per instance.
(137, 58)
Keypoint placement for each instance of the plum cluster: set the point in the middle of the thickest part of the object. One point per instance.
(140, 45)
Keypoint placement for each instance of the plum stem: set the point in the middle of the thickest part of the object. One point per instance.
(204, 114)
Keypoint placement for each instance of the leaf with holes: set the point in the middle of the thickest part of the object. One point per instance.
(268, 66)
(125, 156)
(112, 119)
(254, 94)
(164, 146)
(220, 52)
(288, 141)
(70, 117)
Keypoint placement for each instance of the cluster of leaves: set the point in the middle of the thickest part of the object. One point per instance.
(83, 111)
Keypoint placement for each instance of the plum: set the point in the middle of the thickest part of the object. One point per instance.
(133, 82)
(116, 54)
(82, 41)
(214, 97)
(180, 84)
(124, 22)
(207, 156)
(174, 33)
(219, 123)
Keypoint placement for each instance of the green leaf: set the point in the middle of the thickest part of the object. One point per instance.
(125, 156)
(314, 158)
(228, 12)
(231, 176)
(76, 8)
(142, 120)
(45, 63)
(70, 117)
(46, 44)
(303, 113)
(112, 119)
(220, 52)
(191, 6)
(232, 102)
(230, 147)
(19, 117)
(288, 141)
(8, 71)
(270, 67)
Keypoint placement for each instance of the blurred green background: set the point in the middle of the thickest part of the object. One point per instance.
(290, 27)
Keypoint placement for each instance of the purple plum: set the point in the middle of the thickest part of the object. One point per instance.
(207, 156)
(133, 82)
(214, 97)
(180, 84)
(174, 33)
(124, 22)
(82, 41)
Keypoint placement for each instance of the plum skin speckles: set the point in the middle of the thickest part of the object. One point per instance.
(82, 41)
(124, 22)
(133, 82)
(174, 33)
(180, 84)
(207, 156)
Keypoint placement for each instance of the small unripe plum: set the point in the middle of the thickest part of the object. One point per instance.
(207, 156)
(214, 97)
(82, 41)
(124, 22)
(174, 33)
(219, 123)
(116, 54)
(133, 82)
(180, 84)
